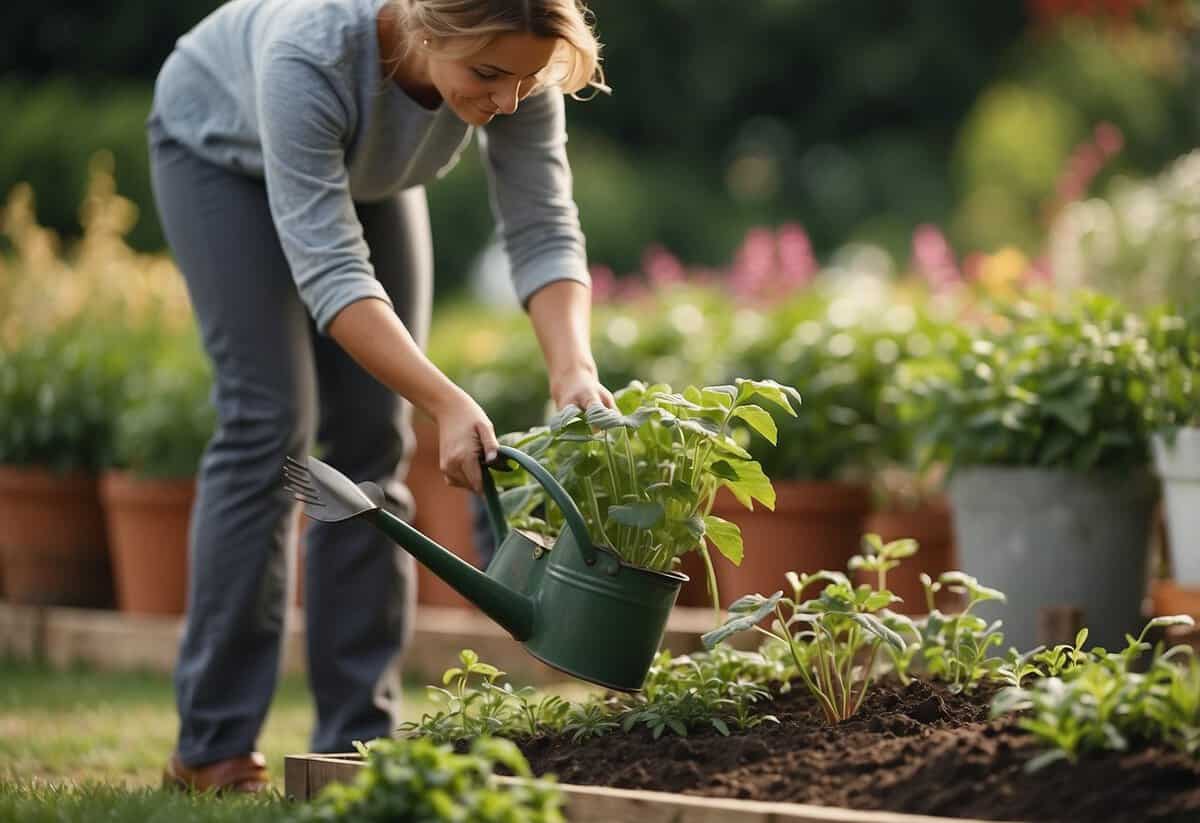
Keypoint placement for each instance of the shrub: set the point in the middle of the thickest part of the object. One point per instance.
(419, 780)
(1051, 388)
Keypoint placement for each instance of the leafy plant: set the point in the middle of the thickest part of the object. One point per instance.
(1101, 704)
(592, 718)
(646, 474)
(837, 628)
(954, 648)
(716, 689)
(1042, 662)
(472, 710)
(167, 416)
(1053, 389)
(59, 392)
(417, 779)
(1174, 398)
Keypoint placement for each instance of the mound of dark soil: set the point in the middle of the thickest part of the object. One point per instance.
(915, 748)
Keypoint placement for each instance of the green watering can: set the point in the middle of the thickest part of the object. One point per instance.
(574, 605)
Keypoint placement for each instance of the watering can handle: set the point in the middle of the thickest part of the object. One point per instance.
(557, 493)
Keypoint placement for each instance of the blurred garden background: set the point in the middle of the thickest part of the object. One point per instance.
(967, 232)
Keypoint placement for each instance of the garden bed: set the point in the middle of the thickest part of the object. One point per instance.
(915, 749)
(308, 774)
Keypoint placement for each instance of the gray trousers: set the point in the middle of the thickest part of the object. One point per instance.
(279, 384)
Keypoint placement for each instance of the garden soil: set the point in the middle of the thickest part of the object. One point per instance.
(917, 749)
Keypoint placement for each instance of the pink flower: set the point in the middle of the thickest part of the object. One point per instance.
(797, 265)
(754, 262)
(933, 258)
(662, 267)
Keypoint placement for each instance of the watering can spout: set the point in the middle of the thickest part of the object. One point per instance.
(512, 610)
(331, 497)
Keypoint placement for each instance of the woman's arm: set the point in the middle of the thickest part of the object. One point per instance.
(526, 156)
(374, 336)
(561, 316)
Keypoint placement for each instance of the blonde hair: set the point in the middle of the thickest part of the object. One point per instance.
(464, 27)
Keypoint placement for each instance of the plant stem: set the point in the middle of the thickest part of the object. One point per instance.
(711, 581)
(633, 482)
(866, 678)
(801, 668)
(851, 648)
(591, 491)
(836, 684)
(612, 473)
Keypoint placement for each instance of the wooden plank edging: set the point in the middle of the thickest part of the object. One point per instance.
(305, 775)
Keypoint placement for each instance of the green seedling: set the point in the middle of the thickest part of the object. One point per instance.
(593, 718)
(880, 558)
(487, 709)
(826, 636)
(1100, 704)
(706, 689)
(955, 647)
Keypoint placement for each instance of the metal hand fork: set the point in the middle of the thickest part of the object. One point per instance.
(327, 494)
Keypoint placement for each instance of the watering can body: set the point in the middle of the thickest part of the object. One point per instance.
(574, 605)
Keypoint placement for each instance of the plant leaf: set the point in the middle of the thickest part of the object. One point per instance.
(726, 536)
(752, 484)
(564, 417)
(875, 626)
(760, 420)
(742, 622)
(776, 393)
(643, 515)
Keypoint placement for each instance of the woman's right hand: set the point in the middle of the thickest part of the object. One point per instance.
(464, 433)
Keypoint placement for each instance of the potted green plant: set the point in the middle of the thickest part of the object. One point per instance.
(1173, 413)
(646, 475)
(57, 389)
(1041, 425)
(160, 434)
(681, 334)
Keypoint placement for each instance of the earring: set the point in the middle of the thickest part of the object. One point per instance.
(425, 42)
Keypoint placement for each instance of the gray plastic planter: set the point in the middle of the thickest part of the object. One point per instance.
(1052, 538)
(1179, 466)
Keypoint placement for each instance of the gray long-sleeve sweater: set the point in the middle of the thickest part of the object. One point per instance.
(292, 91)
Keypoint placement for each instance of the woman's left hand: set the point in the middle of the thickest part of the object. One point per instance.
(580, 386)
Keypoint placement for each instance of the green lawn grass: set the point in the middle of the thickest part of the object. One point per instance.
(87, 745)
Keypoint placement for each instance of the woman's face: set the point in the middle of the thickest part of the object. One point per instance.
(494, 80)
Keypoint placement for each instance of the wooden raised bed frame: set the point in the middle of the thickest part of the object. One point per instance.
(306, 774)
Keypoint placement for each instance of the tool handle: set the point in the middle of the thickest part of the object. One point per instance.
(558, 494)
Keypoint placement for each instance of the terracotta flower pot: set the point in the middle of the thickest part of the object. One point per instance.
(52, 540)
(1170, 598)
(443, 513)
(148, 531)
(930, 524)
(814, 526)
(694, 593)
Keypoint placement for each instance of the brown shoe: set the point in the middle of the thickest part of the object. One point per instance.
(246, 774)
